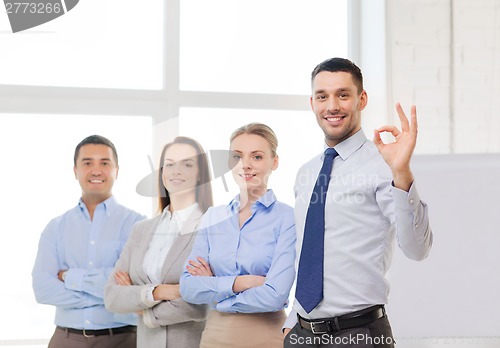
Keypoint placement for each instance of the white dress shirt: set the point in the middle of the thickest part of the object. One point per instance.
(168, 230)
(364, 214)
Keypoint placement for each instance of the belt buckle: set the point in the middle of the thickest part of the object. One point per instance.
(85, 334)
(313, 327)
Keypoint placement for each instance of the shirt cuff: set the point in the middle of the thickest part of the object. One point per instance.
(149, 318)
(291, 321)
(147, 297)
(226, 305)
(407, 201)
(225, 287)
(73, 279)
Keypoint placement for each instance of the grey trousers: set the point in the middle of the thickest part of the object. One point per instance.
(63, 339)
(375, 335)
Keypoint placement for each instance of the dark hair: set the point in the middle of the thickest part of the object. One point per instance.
(340, 64)
(204, 187)
(261, 130)
(96, 140)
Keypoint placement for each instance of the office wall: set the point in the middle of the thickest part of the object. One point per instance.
(444, 56)
(454, 293)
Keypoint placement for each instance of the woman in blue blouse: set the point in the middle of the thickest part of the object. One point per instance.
(242, 262)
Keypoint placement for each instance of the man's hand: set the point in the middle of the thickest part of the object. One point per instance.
(398, 154)
(60, 275)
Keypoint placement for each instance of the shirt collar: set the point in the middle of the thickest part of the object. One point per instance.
(109, 205)
(349, 146)
(181, 216)
(266, 200)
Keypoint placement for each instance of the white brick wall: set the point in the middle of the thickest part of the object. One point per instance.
(453, 79)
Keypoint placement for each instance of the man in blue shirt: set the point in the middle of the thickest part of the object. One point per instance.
(77, 252)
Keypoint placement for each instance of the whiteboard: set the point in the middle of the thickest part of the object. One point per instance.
(456, 290)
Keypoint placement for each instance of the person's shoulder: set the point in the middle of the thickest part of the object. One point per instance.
(284, 211)
(370, 146)
(216, 210)
(148, 221)
(144, 225)
(283, 207)
(128, 212)
(370, 152)
(67, 214)
(56, 222)
(215, 215)
(312, 162)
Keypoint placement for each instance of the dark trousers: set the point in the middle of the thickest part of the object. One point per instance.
(64, 339)
(374, 335)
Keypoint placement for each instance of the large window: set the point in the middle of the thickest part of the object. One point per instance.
(141, 74)
(38, 184)
(258, 46)
(103, 44)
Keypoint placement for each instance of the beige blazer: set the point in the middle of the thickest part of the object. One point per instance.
(170, 323)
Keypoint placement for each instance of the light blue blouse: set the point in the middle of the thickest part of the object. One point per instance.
(265, 246)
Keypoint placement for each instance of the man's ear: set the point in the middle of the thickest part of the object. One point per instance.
(74, 171)
(363, 100)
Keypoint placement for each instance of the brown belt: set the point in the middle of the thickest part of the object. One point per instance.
(347, 321)
(91, 333)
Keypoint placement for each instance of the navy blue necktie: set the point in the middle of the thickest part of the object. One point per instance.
(309, 289)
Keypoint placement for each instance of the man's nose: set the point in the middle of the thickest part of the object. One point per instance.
(96, 170)
(333, 105)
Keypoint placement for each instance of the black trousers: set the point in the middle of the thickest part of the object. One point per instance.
(377, 334)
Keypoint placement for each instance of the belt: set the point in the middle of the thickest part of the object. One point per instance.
(91, 333)
(347, 321)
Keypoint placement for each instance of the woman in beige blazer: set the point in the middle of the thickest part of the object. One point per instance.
(146, 276)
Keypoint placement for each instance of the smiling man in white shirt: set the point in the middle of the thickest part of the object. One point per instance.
(370, 200)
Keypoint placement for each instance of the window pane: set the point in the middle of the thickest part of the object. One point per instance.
(38, 184)
(108, 44)
(258, 46)
(299, 139)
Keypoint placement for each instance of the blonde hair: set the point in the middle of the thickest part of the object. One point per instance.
(259, 129)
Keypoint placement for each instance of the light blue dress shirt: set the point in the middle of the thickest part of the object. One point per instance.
(265, 246)
(364, 216)
(88, 249)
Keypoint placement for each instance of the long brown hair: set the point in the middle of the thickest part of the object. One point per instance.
(204, 187)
